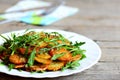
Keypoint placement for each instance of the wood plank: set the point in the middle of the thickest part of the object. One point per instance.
(93, 32)
(97, 32)
(109, 44)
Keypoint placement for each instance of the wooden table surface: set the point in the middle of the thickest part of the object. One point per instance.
(96, 19)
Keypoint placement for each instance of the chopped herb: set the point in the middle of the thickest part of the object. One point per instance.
(13, 36)
(56, 56)
(26, 51)
(2, 63)
(11, 66)
(71, 65)
(4, 38)
(60, 45)
(43, 50)
(83, 56)
(27, 30)
(20, 70)
(74, 53)
(31, 58)
(79, 44)
(2, 48)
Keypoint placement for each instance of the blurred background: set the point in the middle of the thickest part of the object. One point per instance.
(93, 15)
(96, 19)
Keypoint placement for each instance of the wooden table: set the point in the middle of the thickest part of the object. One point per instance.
(96, 19)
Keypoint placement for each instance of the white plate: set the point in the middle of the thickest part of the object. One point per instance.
(93, 53)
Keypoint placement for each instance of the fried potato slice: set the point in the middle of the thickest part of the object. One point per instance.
(38, 67)
(23, 50)
(66, 57)
(54, 66)
(17, 59)
(77, 57)
(42, 60)
(19, 66)
(43, 44)
(43, 55)
(66, 42)
(42, 35)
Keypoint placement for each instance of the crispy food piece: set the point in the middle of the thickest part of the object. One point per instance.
(42, 60)
(54, 66)
(43, 55)
(38, 67)
(66, 57)
(77, 57)
(43, 44)
(19, 66)
(42, 35)
(17, 59)
(60, 42)
(4, 55)
(66, 42)
(22, 50)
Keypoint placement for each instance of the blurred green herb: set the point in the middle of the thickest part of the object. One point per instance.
(11, 66)
(31, 58)
(56, 56)
(71, 65)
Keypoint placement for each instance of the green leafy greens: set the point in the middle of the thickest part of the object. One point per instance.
(57, 56)
(31, 58)
(71, 65)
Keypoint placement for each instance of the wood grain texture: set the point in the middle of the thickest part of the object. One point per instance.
(96, 19)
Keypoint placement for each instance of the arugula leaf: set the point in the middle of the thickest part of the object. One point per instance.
(31, 58)
(78, 44)
(27, 30)
(75, 64)
(43, 50)
(13, 36)
(11, 66)
(83, 56)
(56, 56)
(4, 37)
(2, 48)
(56, 33)
(2, 63)
(71, 65)
(59, 45)
(79, 51)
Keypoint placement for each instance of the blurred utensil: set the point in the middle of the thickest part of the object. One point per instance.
(45, 12)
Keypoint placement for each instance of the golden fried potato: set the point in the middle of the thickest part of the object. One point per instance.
(54, 66)
(42, 35)
(39, 67)
(77, 57)
(42, 60)
(17, 59)
(23, 50)
(42, 45)
(66, 42)
(66, 57)
(19, 66)
(43, 55)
